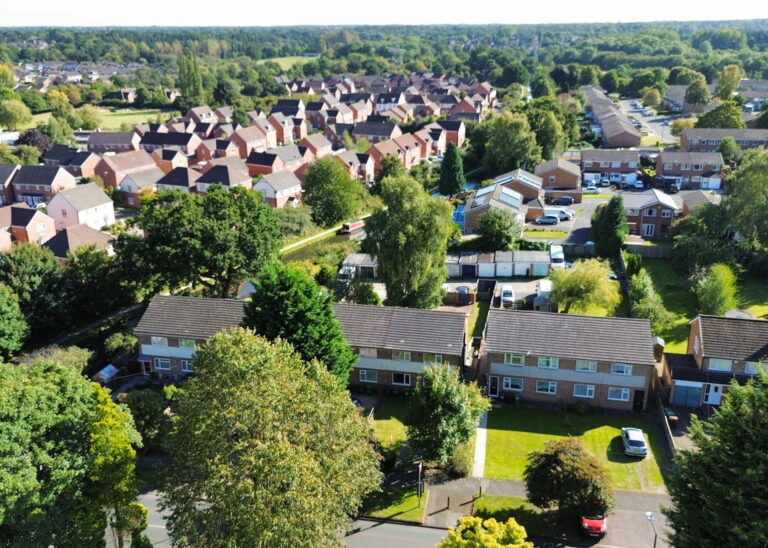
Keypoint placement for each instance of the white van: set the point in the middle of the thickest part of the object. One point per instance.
(562, 213)
(556, 256)
(543, 288)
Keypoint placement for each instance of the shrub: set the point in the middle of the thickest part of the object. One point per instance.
(460, 464)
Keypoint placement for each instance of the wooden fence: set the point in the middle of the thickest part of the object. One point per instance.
(649, 251)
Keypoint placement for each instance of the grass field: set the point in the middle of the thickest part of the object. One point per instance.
(287, 62)
(673, 288)
(389, 419)
(396, 503)
(513, 432)
(113, 119)
(546, 234)
(535, 521)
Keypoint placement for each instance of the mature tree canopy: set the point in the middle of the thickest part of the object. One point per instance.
(267, 451)
(716, 290)
(680, 76)
(409, 237)
(444, 412)
(35, 138)
(511, 144)
(646, 302)
(565, 476)
(14, 113)
(498, 230)
(728, 80)
(730, 149)
(13, 326)
(330, 192)
(550, 135)
(698, 94)
(747, 207)
(216, 240)
(697, 239)
(452, 171)
(726, 115)
(584, 287)
(718, 493)
(681, 124)
(542, 84)
(609, 227)
(391, 166)
(97, 282)
(651, 97)
(147, 406)
(475, 532)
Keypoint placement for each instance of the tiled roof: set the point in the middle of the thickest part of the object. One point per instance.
(110, 138)
(383, 129)
(75, 236)
(699, 197)
(146, 178)
(154, 138)
(130, 160)
(647, 198)
(703, 158)
(734, 338)
(180, 177)
(224, 175)
(397, 328)
(558, 163)
(37, 175)
(718, 133)
(606, 155)
(189, 317)
(571, 336)
(85, 196)
(282, 180)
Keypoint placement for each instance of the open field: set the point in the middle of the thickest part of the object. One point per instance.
(545, 234)
(113, 119)
(287, 62)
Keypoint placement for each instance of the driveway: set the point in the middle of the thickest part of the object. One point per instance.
(578, 228)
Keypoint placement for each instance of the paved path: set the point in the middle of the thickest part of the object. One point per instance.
(478, 467)
(373, 534)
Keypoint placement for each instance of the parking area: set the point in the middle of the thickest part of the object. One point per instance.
(656, 125)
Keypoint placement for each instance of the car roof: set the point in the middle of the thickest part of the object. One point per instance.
(634, 433)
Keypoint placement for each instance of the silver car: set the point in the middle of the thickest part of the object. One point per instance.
(634, 442)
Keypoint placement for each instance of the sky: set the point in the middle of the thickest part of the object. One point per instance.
(350, 12)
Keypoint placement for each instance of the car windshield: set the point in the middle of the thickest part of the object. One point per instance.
(558, 260)
(507, 293)
(636, 443)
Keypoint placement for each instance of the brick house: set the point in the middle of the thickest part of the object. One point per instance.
(559, 173)
(187, 143)
(25, 224)
(36, 184)
(74, 237)
(169, 158)
(697, 198)
(100, 142)
(7, 173)
(280, 189)
(263, 163)
(546, 357)
(375, 131)
(406, 147)
(85, 204)
(77, 162)
(142, 183)
(492, 197)
(387, 101)
(455, 130)
(180, 178)
(618, 166)
(707, 140)
(251, 138)
(650, 213)
(283, 127)
(395, 344)
(172, 327)
(317, 144)
(690, 169)
(720, 349)
(113, 169)
(360, 165)
(201, 115)
(226, 176)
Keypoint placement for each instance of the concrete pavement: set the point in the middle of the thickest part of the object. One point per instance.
(478, 466)
(374, 534)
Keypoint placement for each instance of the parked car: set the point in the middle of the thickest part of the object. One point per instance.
(547, 220)
(634, 442)
(563, 201)
(671, 189)
(605, 181)
(594, 526)
(591, 190)
(507, 296)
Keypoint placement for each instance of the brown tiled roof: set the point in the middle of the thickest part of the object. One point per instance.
(558, 163)
(75, 236)
(392, 327)
(130, 160)
(189, 317)
(734, 338)
(570, 336)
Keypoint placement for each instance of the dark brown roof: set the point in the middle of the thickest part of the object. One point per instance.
(190, 317)
(73, 237)
(398, 328)
(733, 338)
(570, 336)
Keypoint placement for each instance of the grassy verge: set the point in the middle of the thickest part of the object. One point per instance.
(673, 288)
(513, 432)
(547, 234)
(399, 503)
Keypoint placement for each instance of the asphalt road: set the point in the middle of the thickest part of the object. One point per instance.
(653, 124)
(373, 534)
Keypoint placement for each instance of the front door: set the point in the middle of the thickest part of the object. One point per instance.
(639, 400)
(714, 394)
(493, 387)
(648, 230)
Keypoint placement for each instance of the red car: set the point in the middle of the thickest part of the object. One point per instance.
(594, 526)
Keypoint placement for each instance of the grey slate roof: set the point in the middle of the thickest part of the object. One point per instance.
(570, 336)
(146, 178)
(189, 317)
(391, 327)
(704, 158)
(609, 155)
(282, 180)
(699, 197)
(86, 196)
(6, 173)
(37, 175)
(734, 338)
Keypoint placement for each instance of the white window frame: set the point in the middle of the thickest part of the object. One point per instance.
(616, 368)
(186, 366)
(159, 341)
(589, 393)
(514, 359)
(507, 384)
(591, 366)
(649, 212)
(186, 343)
(666, 213)
(548, 362)
(551, 387)
(406, 379)
(435, 358)
(368, 352)
(157, 361)
(401, 355)
(368, 375)
(624, 393)
(632, 212)
(721, 362)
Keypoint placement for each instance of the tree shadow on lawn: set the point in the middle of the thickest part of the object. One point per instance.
(556, 528)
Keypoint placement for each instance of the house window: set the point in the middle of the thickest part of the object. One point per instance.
(366, 375)
(433, 358)
(587, 164)
(686, 167)
(162, 363)
(190, 343)
(719, 364)
(666, 213)
(697, 167)
(63, 212)
(618, 394)
(401, 355)
(368, 352)
(186, 366)
(586, 366)
(546, 387)
(583, 390)
(40, 227)
(650, 212)
(547, 362)
(751, 368)
(667, 166)
(552, 178)
(513, 383)
(403, 379)
(621, 369)
(604, 164)
(162, 341)
(514, 359)
(632, 212)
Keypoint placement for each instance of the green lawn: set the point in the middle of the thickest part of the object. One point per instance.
(477, 318)
(396, 503)
(673, 288)
(113, 119)
(513, 432)
(537, 523)
(593, 196)
(389, 419)
(548, 234)
(287, 62)
(753, 297)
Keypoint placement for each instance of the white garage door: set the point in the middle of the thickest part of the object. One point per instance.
(504, 270)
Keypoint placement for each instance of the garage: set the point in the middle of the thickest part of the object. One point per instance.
(531, 263)
(687, 394)
(452, 262)
(486, 267)
(504, 264)
(468, 264)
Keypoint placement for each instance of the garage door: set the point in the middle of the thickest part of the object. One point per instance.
(504, 270)
(540, 269)
(469, 271)
(687, 396)
(522, 269)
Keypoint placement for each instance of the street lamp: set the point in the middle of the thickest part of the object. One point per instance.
(651, 518)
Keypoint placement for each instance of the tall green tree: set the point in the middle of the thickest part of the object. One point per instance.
(147, 407)
(726, 115)
(646, 302)
(698, 94)
(511, 144)
(542, 84)
(584, 287)
(14, 113)
(713, 471)
(550, 135)
(565, 476)
(475, 532)
(216, 240)
(266, 450)
(330, 192)
(498, 230)
(610, 227)
(189, 82)
(96, 282)
(730, 149)
(288, 304)
(716, 290)
(728, 80)
(651, 97)
(13, 326)
(444, 412)
(697, 239)
(391, 166)
(452, 171)
(409, 236)
(747, 207)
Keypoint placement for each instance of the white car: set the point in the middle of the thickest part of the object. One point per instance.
(507, 296)
(634, 442)
(591, 190)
